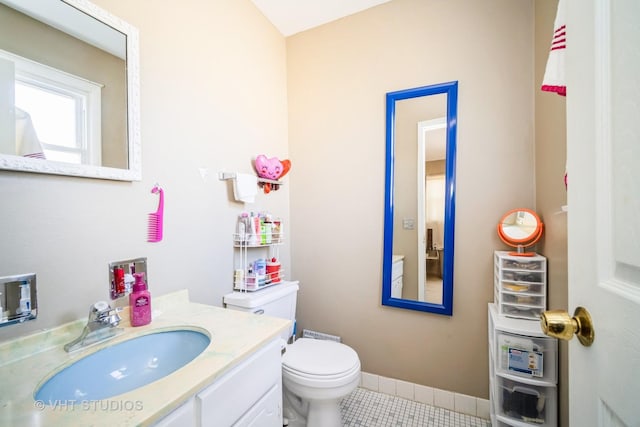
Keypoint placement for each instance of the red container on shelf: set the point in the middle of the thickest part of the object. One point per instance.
(273, 270)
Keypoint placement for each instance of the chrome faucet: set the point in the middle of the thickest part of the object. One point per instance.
(101, 325)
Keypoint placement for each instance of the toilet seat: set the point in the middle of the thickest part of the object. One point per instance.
(320, 363)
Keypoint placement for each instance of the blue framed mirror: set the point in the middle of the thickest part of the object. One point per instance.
(419, 210)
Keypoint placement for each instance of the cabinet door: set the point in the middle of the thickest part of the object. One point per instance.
(236, 392)
(183, 416)
(267, 412)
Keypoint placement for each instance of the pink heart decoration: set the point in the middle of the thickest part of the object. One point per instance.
(269, 168)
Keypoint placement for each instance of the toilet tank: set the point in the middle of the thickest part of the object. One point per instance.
(277, 301)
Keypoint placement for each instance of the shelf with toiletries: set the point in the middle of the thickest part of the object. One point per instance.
(257, 259)
(239, 241)
(523, 369)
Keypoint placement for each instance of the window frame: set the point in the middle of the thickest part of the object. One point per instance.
(88, 97)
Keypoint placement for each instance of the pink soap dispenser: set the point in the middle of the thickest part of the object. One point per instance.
(140, 302)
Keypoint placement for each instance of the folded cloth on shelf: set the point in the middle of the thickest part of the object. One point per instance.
(245, 187)
(554, 75)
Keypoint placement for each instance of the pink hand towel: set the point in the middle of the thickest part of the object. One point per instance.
(554, 77)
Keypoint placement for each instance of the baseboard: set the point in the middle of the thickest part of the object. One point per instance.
(457, 402)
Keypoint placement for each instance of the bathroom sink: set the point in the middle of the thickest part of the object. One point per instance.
(124, 366)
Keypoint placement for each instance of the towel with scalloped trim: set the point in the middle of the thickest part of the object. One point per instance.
(554, 75)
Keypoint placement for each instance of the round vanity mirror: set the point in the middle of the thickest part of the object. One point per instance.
(520, 228)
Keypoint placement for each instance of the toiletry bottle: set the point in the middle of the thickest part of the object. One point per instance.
(254, 234)
(276, 231)
(118, 278)
(241, 236)
(260, 268)
(140, 302)
(268, 229)
(25, 299)
(263, 231)
(242, 229)
(129, 280)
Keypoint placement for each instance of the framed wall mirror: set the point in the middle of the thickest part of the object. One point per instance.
(419, 211)
(69, 79)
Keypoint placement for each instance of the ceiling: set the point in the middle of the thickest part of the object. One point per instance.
(293, 16)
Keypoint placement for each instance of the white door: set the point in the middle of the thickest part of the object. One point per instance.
(432, 145)
(603, 163)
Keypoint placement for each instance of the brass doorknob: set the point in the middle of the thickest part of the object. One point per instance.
(558, 324)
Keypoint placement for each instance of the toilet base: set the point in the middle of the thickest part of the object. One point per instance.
(294, 410)
(324, 413)
(313, 413)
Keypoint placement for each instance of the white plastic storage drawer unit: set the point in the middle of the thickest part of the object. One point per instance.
(520, 285)
(523, 372)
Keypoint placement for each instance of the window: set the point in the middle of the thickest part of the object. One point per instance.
(64, 111)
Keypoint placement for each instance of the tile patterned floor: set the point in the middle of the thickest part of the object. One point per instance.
(366, 408)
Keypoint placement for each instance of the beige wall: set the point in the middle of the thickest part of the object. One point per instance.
(551, 157)
(338, 75)
(213, 96)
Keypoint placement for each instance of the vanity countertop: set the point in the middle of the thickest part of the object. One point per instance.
(26, 361)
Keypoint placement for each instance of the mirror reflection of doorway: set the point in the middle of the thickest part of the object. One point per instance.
(431, 193)
(434, 218)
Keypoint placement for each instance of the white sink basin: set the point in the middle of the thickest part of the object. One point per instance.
(123, 367)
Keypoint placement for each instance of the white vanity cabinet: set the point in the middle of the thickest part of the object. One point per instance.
(397, 273)
(250, 394)
(523, 373)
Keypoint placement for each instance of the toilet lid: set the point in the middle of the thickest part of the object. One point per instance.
(319, 357)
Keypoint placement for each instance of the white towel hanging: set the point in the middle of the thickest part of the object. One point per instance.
(554, 75)
(245, 187)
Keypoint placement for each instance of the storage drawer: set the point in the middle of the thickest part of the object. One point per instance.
(531, 404)
(524, 305)
(522, 288)
(523, 276)
(499, 423)
(522, 263)
(528, 357)
(521, 312)
(523, 300)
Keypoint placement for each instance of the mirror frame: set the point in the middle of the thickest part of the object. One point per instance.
(134, 170)
(451, 90)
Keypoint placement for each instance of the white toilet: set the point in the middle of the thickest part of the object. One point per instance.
(316, 374)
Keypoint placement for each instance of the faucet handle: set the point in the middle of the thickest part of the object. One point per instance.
(101, 306)
(99, 311)
(113, 318)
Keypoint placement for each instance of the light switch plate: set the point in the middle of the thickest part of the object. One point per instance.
(408, 223)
